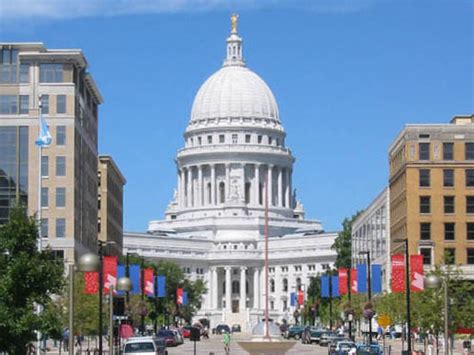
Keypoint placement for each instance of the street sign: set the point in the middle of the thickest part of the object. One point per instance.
(384, 320)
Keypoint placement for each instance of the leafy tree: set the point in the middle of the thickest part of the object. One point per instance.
(28, 277)
(343, 242)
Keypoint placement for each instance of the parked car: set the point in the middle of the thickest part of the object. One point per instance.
(168, 336)
(326, 338)
(186, 331)
(345, 347)
(236, 328)
(179, 337)
(365, 349)
(221, 329)
(316, 335)
(295, 332)
(145, 346)
(333, 344)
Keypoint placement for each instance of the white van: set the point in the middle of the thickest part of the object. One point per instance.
(145, 346)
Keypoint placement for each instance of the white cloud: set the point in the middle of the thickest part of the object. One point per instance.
(65, 9)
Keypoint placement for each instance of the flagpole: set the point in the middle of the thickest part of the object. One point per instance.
(40, 237)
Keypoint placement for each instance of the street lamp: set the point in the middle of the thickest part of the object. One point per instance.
(123, 284)
(435, 282)
(329, 272)
(369, 293)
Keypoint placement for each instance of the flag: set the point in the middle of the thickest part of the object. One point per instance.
(325, 286)
(416, 273)
(353, 281)
(185, 298)
(335, 286)
(44, 137)
(161, 282)
(398, 273)
(148, 282)
(293, 299)
(110, 272)
(361, 278)
(342, 273)
(376, 278)
(135, 278)
(300, 297)
(179, 296)
(120, 273)
(91, 282)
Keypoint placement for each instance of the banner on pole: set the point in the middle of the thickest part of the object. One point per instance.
(135, 278)
(148, 282)
(185, 298)
(110, 272)
(325, 286)
(376, 278)
(293, 299)
(353, 281)
(398, 273)
(361, 278)
(161, 281)
(91, 283)
(416, 273)
(300, 297)
(120, 273)
(335, 286)
(342, 273)
(179, 296)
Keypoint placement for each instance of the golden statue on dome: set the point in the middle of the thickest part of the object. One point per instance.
(233, 20)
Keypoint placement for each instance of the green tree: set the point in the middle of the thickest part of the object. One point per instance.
(28, 277)
(343, 242)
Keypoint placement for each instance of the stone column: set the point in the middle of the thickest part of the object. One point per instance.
(214, 288)
(270, 185)
(182, 190)
(287, 189)
(242, 182)
(228, 289)
(213, 184)
(209, 290)
(227, 181)
(290, 172)
(200, 187)
(256, 288)
(256, 183)
(243, 289)
(189, 187)
(280, 187)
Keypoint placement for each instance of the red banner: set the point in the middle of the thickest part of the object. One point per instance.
(91, 283)
(300, 297)
(398, 273)
(179, 296)
(416, 273)
(148, 282)
(342, 273)
(110, 272)
(353, 281)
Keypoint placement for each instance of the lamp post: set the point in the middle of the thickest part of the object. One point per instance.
(408, 291)
(123, 284)
(435, 282)
(369, 291)
(329, 272)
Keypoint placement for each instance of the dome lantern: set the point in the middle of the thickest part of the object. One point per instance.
(234, 45)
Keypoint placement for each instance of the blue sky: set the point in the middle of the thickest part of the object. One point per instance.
(347, 76)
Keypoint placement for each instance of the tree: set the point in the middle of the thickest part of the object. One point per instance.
(343, 243)
(28, 277)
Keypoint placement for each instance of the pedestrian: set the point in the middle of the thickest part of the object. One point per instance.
(227, 343)
(379, 333)
(66, 339)
(466, 345)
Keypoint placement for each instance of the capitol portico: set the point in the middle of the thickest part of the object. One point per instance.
(234, 151)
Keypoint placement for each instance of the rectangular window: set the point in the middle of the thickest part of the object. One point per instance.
(8, 104)
(270, 140)
(469, 204)
(199, 140)
(209, 139)
(424, 177)
(45, 104)
(448, 177)
(449, 204)
(60, 166)
(425, 231)
(449, 256)
(51, 73)
(259, 139)
(470, 231)
(24, 104)
(234, 139)
(425, 204)
(44, 197)
(469, 151)
(426, 252)
(423, 151)
(60, 197)
(247, 138)
(60, 227)
(61, 104)
(60, 135)
(44, 166)
(221, 138)
(449, 231)
(470, 256)
(448, 151)
(44, 227)
(24, 73)
(469, 177)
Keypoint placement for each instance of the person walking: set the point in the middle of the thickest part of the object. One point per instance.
(66, 339)
(227, 343)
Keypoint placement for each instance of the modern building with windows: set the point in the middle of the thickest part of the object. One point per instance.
(58, 78)
(432, 192)
(234, 155)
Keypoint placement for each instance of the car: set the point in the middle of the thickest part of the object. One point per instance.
(365, 349)
(168, 336)
(236, 328)
(332, 346)
(315, 335)
(326, 338)
(345, 347)
(186, 331)
(178, 336)
(295, 332)
(221, 329)
(145, 346)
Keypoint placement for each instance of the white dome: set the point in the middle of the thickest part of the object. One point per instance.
(234, 91)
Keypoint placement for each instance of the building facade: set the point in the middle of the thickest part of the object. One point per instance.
(110, 204)
(371, 232)
(234, 156)
(432, 192)
(30, 74)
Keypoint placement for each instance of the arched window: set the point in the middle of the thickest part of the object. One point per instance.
(221, 192)
(235, 287)
(247, 192)
(285, 285)
(272, 285)
(298, 284)
(209, 193)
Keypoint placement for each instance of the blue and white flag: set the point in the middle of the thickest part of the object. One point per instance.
(293, 299)
(161, 282)
(361, 278)
(325, 293)
(44, 137)
(376, 278)
(185, 298)
(335, 286)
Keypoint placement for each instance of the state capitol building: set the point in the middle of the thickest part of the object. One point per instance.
(214, 225)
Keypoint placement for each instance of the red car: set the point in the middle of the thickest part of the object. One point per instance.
(168, 336)
(186, 331)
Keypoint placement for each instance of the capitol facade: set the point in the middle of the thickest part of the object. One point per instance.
(214, 225)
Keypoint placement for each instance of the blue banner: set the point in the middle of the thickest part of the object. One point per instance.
(325, 286)
(293, 299)
(335, 286)
(161, 281)
(120, 273)
(361, 278)
(376, 278)
(135, 278)
(185, 298)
